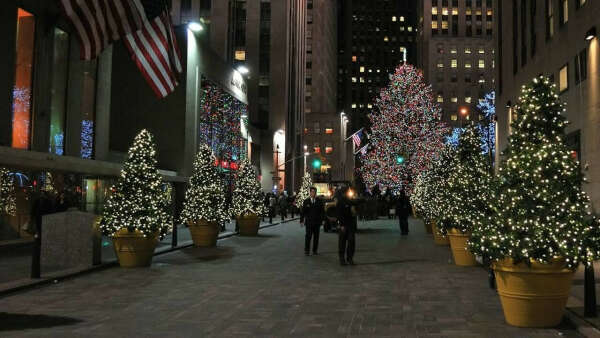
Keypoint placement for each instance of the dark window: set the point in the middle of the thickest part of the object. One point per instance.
(523, 33)
(515, 29)
(186, 5)
(533, 37)
(549, 19)
(581, 66)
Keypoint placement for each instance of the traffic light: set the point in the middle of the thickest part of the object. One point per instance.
(316, 163)
(400, 159)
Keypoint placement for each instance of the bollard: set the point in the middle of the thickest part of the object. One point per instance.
(589, 292)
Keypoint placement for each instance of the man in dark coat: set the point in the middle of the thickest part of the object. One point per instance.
(347, 227)
(312, 215)
(403, 211)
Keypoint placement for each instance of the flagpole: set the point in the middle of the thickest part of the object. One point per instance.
(356, 132)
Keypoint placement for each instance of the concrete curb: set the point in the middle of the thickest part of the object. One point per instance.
(583, 327)
(61, 276)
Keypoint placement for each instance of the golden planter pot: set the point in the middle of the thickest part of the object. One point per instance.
(533, 296)
(458, 244)
(248, 225)
(204, 234)
(438, 237)
(133, 249)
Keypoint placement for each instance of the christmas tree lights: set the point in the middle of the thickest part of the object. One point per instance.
(469, 185)
(205, 196)
(406, 123)
(304, 191)
(8, 202)
(247, 195)
(540, 208)
(137, 201)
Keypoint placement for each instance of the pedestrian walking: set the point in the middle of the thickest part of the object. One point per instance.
(312, 215)
(403, 210)
(272, 205)
(283, 206)
(347, 227)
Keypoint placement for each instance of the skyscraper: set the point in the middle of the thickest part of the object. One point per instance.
(456, 53)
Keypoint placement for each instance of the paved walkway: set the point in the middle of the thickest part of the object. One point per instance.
(266, 287)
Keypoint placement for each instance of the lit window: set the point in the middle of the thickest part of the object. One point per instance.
(481, 79)
(401, 19)
(467, 64)
(445, 11)
(434, 24)
(434, 10)
(393, 18)
(481, 51)
(328, 148)
(444, 24)
(354, 106)
(353, 58)
(481, 64)
(440, 98)
(328, 130)
(361, 105)
(410, 28)
(23, 89)
(469, 12)
(362, 69)
(317, 148)
(240, 55)
(385, 38)
(467, 50)
(454, 117)
(369, 105)
(454, 11)
(454, 99)
(565, 11)
(453, 50)
(563, 78)
(490, 12)
(440, 64)
(454, 63)
(354, 79)
(362, 79)
(468, 99)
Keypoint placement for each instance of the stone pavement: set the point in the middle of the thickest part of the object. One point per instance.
(266, 287)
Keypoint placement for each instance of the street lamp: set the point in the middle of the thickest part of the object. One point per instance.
(464, 112)
(590, 34)
(195, 27)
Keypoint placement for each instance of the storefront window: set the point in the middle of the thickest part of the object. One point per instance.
(88, 109)
(60, 74)
(22, 90)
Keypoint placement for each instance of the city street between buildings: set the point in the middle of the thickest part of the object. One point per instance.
(401, 286)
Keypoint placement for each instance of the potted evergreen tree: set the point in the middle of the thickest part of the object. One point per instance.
(428, 196)
(247, 202)
(470, 189)
(136, 214)
(8, 205)
(204, 205)
(539, 233)
(304, 191)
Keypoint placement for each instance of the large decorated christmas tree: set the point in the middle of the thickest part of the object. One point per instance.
(470, 185)
(205, 196)
(8, 203)
(137, 201)
(406, 132)
(247, 195)
(540, 208)
(304, 191)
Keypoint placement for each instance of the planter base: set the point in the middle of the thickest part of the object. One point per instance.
(133, 249)
(533, 296)
(248, 225)
(428, 227)
(440, 239)
(204, 234)
(458, 244)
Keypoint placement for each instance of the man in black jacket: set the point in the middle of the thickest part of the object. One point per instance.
(312, 215)
(403, 211)
(347, 228)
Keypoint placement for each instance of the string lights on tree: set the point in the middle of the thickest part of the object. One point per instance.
(138, 201)
(540, 209)
(405, 125)
(8, 202)
(247, 194)
(304, 191)
(205, 196)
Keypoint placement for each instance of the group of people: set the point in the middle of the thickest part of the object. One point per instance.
(312, 215)
(280, 203)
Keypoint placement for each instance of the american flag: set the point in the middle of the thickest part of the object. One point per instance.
(146, 29)
(356, 138)
(100, 22)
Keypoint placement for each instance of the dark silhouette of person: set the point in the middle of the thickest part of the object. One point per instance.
(403, 211)
(311, 216)
(347, 227)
